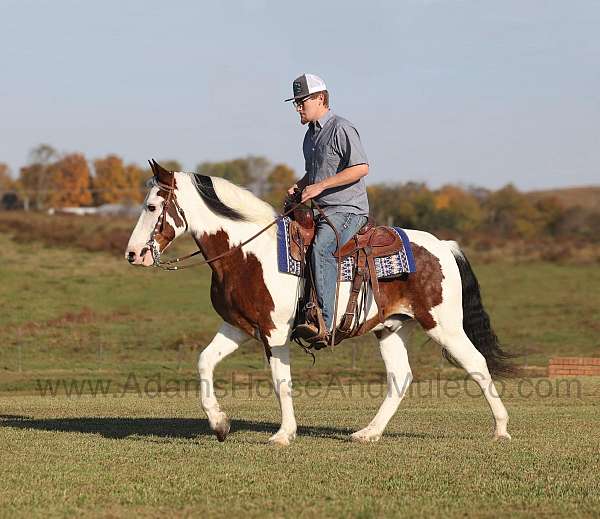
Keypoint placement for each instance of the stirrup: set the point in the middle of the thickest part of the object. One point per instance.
(306, 331)
(322, 342)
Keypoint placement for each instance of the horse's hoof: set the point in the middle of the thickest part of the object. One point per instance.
(281, 438)
(502, 437)
(221, 430)
(365, 437)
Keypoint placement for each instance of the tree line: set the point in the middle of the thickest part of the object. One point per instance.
(54, 180)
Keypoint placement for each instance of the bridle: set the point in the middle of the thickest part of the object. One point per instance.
(153, 245)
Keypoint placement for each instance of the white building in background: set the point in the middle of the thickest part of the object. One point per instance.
(103, 210)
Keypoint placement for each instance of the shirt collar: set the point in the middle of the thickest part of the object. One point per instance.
(323, 120)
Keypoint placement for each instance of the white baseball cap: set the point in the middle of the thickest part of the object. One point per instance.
(306, 85)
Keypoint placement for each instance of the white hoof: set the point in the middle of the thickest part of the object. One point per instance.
(282, 438)
(502, 437)
(221, 427)
(365, 436)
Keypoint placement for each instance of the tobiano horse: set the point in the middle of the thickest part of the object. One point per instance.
(255, 300)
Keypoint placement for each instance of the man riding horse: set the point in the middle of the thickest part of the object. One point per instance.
(335, 164)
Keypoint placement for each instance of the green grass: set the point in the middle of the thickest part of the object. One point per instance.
(69, 313)
(130, 454)
(88, 317)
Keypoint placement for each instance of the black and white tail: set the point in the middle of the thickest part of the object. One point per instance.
(476, 322)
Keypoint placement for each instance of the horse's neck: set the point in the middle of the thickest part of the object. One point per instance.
(218, 235)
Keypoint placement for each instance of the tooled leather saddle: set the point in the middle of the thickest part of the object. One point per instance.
(370, 242)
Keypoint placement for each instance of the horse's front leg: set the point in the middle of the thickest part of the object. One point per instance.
(282, 381)
(225, 342)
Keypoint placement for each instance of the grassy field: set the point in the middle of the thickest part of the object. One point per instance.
(129, 454)
(65, 309)
(76, 314)
(86, 322)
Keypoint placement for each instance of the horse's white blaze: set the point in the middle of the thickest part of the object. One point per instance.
(144, 229)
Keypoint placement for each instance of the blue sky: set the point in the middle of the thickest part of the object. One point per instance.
(442, 91)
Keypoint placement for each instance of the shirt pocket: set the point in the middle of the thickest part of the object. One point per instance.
(332, 160)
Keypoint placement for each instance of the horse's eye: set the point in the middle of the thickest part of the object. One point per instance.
(151, 208)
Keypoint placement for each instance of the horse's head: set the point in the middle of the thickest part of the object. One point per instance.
(162, 219)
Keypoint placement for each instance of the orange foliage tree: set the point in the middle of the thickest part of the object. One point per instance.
(70, 181)
(116, 183)
(278, 181)
(6, 181)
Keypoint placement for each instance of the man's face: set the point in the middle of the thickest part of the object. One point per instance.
(310, 108)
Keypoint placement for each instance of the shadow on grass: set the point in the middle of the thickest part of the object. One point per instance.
(171, 428)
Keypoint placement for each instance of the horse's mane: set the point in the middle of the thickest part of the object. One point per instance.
(230, 201)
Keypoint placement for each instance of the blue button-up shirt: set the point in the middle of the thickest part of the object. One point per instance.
(331, 145)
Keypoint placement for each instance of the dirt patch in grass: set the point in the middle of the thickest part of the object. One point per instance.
(90, 233)
(84, 316)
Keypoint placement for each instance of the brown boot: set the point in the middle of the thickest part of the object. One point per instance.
(306, 331)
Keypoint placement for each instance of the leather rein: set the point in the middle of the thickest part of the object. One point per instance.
(159, 227)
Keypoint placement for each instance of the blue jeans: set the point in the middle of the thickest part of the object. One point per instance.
(324, 263)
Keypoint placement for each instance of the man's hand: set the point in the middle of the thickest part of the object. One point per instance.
(311, 191)
(292, 189)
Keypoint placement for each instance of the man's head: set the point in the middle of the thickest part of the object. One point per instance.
(311, 98)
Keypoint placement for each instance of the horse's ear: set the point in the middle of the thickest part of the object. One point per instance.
(161, 174)
(152, 167)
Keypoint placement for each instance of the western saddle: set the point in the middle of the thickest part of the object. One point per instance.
(369, 243)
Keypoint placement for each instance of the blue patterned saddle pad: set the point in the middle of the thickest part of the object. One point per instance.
(387, 266)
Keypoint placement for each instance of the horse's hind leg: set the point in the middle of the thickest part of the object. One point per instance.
(466, 354)
(399, 376)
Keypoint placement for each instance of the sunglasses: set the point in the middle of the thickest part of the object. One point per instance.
(298, 103)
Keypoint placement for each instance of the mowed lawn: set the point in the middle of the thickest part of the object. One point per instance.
(128, 454)
(86, 318)
(69, 314)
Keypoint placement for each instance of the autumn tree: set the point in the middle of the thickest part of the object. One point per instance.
(8, 197)
(6, 181)
(35, 179)
(279, 180)
(116, 183)
(250, 172)
(511, 213)
(551, 212)
(457, 209)
(70, 181)
(233, 170)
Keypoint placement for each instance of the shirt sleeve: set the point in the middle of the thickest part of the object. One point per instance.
(347, 144)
